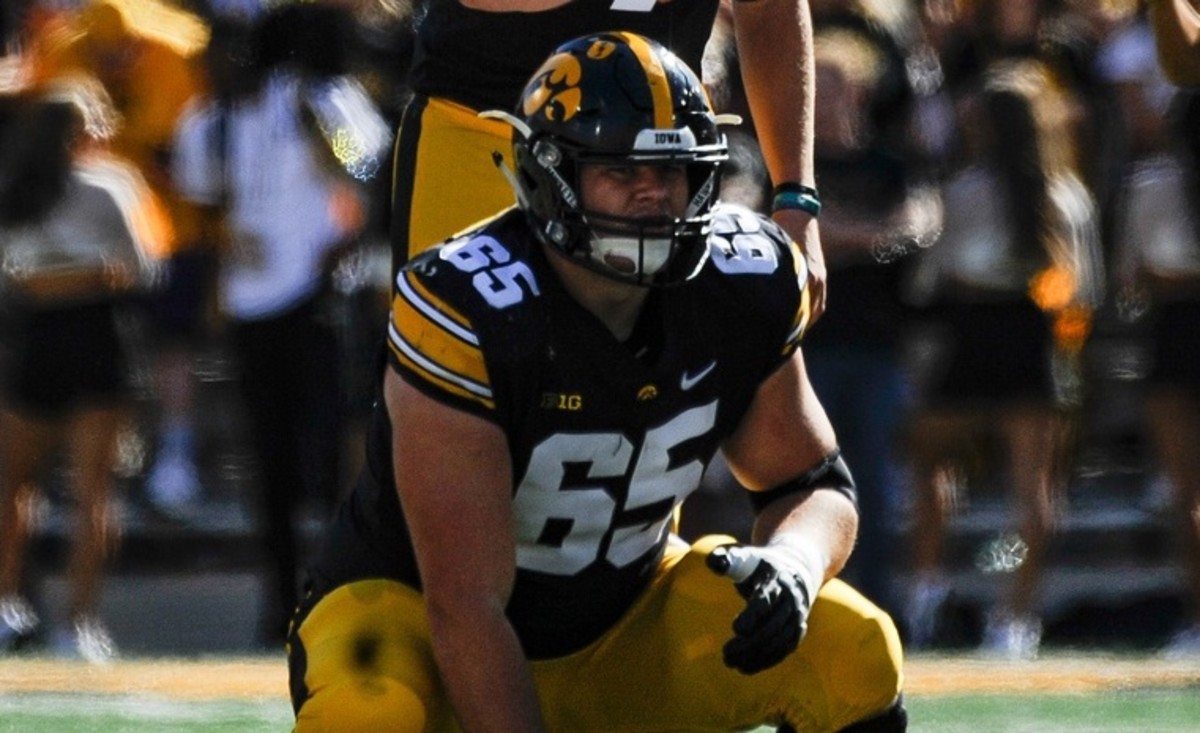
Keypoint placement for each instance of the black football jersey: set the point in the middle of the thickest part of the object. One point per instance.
(484, 59)
(606, 438)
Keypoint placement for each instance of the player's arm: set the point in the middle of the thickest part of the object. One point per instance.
(784, 450)
(774, 45)
(1176, 26)
(454, 478)
(784, 436)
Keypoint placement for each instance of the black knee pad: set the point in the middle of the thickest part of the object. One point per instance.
(892, 720)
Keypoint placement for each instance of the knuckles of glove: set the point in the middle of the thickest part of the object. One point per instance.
(773, 622)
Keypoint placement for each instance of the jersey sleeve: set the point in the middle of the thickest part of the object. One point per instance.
(802, 315)
(769, 273)
(435, 347)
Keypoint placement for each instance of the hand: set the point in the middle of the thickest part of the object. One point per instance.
(803, 230)
(778, 593)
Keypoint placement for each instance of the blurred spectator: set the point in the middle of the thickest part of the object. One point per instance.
(143, 53)
(273, 152)
(893, 31)
(1064, 39)
(1158, 264)
(76, 227)
(1177, 30)
(1011, 283)
(876, 211)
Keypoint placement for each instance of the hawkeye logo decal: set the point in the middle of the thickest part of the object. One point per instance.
(554, 91)
(687, 381)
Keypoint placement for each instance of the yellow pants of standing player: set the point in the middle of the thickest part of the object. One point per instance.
(365, 663)
(444, 178)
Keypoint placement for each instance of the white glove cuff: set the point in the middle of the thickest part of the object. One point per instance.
(803, 559)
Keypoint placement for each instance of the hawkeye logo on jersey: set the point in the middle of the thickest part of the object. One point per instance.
(562, 401)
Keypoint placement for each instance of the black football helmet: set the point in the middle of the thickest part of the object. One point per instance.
(617, 98)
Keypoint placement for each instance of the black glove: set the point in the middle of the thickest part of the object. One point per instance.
(778, 591)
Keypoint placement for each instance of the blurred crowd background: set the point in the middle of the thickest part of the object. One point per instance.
(194, 233)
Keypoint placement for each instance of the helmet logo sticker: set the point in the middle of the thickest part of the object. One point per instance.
(557, 94)
(601, 49)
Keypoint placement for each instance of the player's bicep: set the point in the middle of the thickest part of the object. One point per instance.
(453, 475)
(784, 433)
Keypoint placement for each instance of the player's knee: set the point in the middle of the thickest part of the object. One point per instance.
(367, 704)
(864, 654)
(892, 720)
(881, 657)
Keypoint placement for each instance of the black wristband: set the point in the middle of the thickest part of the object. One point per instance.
(795, 187)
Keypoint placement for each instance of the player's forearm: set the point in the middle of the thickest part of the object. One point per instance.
(774, 43)
(1177, 34)
(485, 672)
(823, 520)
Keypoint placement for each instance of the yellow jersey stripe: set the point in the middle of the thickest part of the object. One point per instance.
(804, 310)
(437, 343)
(437, 375)
(800, 323)
(434, 308)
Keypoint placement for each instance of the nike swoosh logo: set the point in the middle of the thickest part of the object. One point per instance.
(687, 381)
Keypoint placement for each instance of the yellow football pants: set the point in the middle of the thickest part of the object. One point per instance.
(444, 178)
(366, 663)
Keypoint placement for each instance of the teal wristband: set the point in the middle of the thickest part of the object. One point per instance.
(804, 201)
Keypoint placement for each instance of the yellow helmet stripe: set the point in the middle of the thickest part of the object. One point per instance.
(656, 77)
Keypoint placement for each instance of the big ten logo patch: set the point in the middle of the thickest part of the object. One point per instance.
(562, 401)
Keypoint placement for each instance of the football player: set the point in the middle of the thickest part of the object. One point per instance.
(472, 55)
(559, 379)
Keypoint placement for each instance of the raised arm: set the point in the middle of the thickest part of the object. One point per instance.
(454, 478)
(774, 45)
(1176, 26)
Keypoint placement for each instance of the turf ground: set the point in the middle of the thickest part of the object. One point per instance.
(1068, 693)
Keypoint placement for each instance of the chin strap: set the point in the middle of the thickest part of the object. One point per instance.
(497, 158)
(518, 189)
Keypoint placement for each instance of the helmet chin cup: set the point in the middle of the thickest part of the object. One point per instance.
(648, 252)
(640, 257)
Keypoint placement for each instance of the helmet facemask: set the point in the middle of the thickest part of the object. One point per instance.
(641, 250)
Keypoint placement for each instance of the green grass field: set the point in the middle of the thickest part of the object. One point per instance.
(1125, 712)
(1076, 694)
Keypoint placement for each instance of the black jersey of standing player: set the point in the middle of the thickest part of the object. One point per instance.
(606, 438)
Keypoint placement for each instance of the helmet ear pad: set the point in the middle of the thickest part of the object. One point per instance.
(618, 99)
